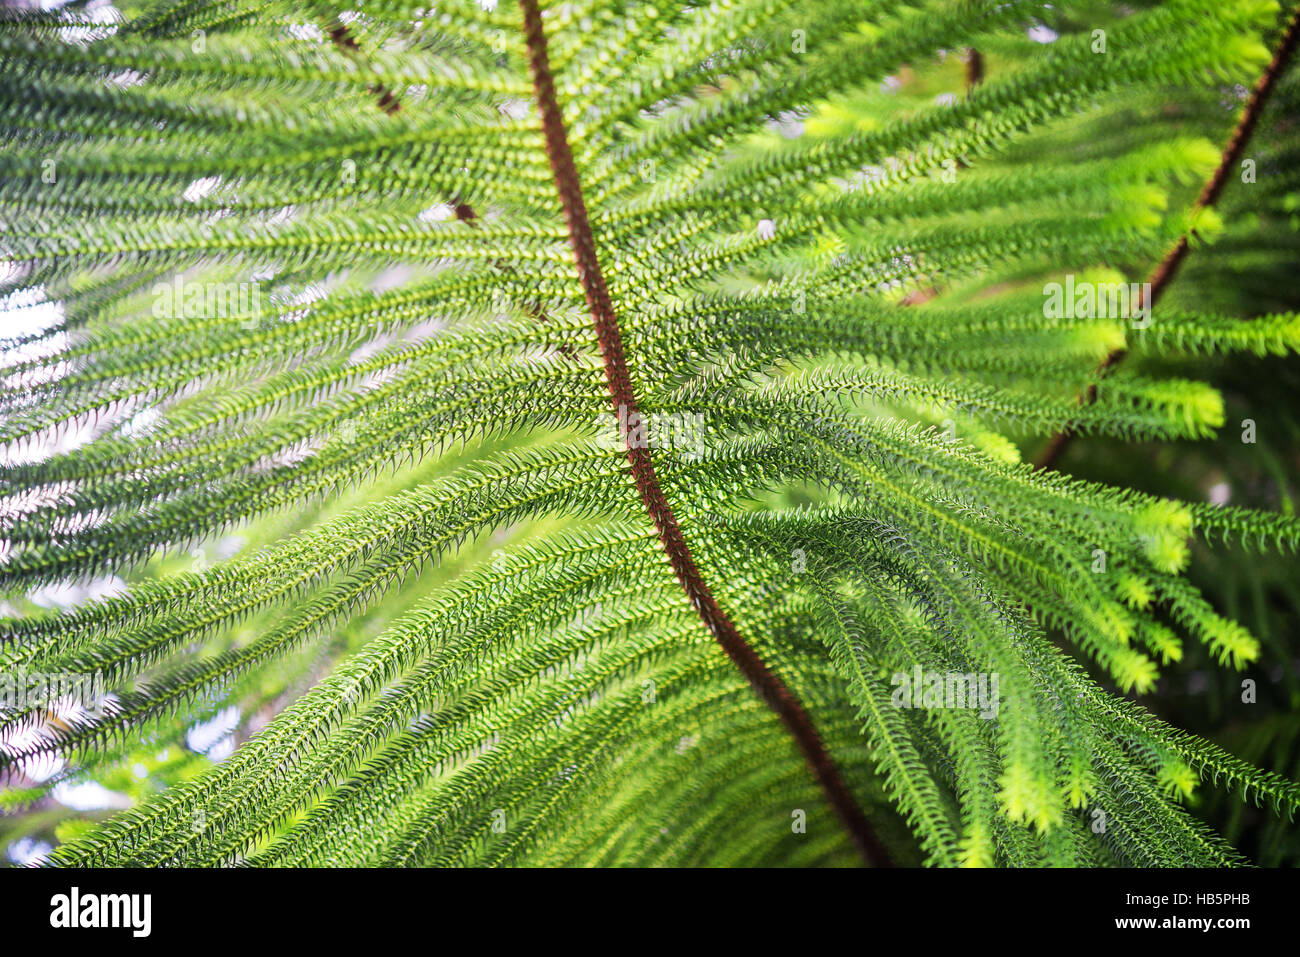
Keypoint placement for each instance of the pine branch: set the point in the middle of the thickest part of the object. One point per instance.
(394, 407)
(345, 41)
(1168, 266)
(765, 682)
(974, 77)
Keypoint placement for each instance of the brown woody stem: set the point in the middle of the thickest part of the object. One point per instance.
(974, 69)
(770, 688)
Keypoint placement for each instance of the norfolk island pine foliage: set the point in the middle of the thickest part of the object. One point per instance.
(607, 433)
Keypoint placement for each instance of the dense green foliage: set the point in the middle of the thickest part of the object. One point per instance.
(449, 628)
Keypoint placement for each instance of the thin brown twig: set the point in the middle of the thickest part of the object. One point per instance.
(974, 69)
